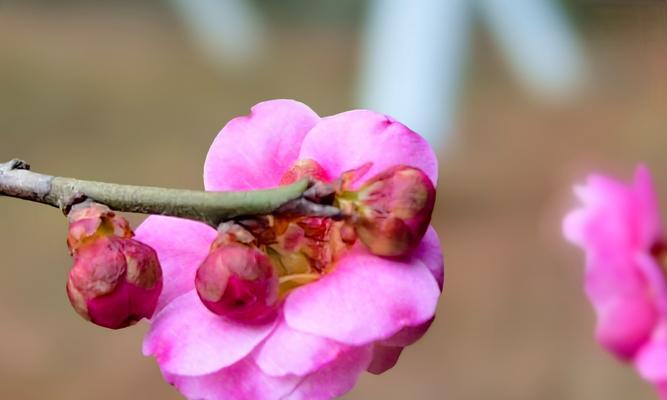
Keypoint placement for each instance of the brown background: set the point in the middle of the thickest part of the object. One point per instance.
(118, 93)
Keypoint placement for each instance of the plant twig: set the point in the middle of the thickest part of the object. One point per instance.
(16, 180)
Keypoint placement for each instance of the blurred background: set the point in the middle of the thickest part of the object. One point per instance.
(521, 99)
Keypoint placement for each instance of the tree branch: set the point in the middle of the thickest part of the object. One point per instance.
(16, 180)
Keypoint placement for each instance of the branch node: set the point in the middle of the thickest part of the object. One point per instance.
(19, 164)
(71, 200)
(302, 206)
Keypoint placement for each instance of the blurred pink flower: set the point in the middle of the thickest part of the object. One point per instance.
(626, 269)
(357, 317)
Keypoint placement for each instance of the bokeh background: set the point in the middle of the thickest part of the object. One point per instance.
(128, 91)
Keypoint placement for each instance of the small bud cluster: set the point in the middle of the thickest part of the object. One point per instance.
(115, 280)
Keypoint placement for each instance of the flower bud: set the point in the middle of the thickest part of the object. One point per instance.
(115, 281)
(238, 281)
(391, 211)
(90, 220)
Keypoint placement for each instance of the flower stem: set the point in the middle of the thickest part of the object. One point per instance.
(16, 180)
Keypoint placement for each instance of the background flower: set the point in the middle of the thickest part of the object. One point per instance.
(619, 229)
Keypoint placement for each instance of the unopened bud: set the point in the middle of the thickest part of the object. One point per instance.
(89, 220)
(115, 281)
(237, 281)
(392, 211)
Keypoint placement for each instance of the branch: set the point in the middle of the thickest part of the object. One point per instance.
(16, 180)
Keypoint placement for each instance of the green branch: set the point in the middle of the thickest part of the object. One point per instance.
(16, 180)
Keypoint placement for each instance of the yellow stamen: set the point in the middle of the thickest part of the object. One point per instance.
(289, 282)
(298, 278)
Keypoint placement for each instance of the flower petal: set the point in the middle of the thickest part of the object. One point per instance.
(651, 361)
(364, 299)
(620, 294)
(288, 351)
(624, 324)
(187, 339)
(408, 335)
(181, 245)
(336, 378)
(662, 390)
(655, 280)
(253, 151)
(351, 139)
(616, 227)
(615, 217)
(384, 358)
(430, 253)
(246, 381)
(241, 381)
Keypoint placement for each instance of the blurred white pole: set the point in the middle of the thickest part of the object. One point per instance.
(537, 41)
(415, 50)
(230, 32)
(412, 58)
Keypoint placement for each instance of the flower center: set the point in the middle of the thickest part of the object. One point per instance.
(302, 249)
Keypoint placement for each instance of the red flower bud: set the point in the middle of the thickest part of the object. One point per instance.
(391, 211)
(114, 281)
(238, 281)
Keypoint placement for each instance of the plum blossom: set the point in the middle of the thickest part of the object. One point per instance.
(619, 229)
(350, 311)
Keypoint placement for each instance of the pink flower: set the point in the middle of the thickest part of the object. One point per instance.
(357, 315)
(626, 269)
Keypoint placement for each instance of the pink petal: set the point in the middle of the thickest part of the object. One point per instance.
(349, 140)
(366, 298)
(615, 217)
(253, 151)
(187, 339)
(384, 358)
(617, 226)
(288, 351)
(651, 361)
(430, 253)
(336, 378)
(621, 296)
(241, 381)
(181, 245)
(408, 335)
(655, 280)
(625, 323)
